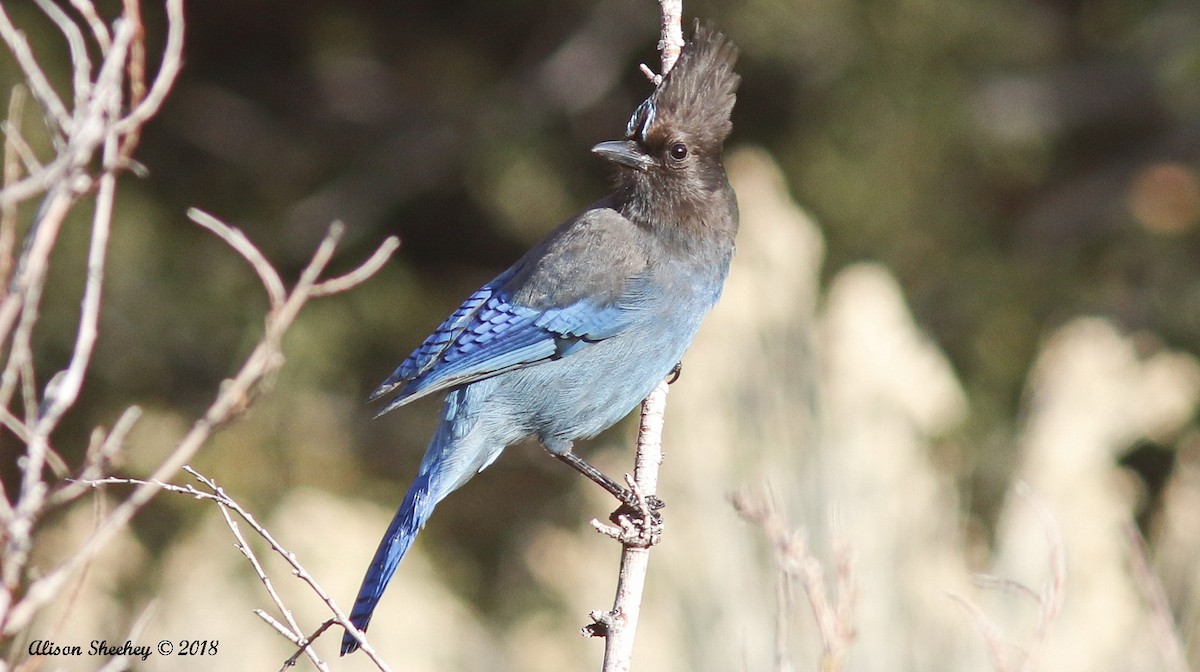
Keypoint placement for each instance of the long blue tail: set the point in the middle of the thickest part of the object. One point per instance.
(400, 534)
(455, 454)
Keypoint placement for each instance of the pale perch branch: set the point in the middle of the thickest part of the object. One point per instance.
(639, 530)
(637, 533)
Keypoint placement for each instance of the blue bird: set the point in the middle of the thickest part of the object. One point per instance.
(582, 327)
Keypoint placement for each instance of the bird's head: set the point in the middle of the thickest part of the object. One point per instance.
(672, 146)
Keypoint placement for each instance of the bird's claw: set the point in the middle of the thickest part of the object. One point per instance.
(637, 522)
(630, 500)
(675, 372)
(634, 507)
(635, 526)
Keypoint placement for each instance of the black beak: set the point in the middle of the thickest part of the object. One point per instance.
(625, 152)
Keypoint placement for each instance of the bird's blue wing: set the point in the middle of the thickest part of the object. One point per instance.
(490, 334)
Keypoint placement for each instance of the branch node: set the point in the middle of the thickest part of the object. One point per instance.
(602, 623)
(654, 78)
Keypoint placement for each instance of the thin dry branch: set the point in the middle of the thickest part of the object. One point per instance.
(1166, 634)
(81, 63)
(248, 552)
(641, 530)
(99, 31)
(167, 72)
(16, 150)
(368, 268)
(34, 76)
(1053, 589)
(993, 636)
(24, 299)
(1048, 600)
(234, 397)
(671, 43)
(834, 617)
(103, 448)
(291, 630)
(93, 118)
(18, 154)
(637, 533)
(93, 142)
(276, 293)
(65, 391)
(137, 55)
(291, 662)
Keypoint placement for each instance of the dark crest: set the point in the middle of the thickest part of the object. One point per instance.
(697, 95)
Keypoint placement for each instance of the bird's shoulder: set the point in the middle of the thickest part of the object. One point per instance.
(593, 258)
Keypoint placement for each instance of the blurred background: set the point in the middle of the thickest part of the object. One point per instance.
(970, 255)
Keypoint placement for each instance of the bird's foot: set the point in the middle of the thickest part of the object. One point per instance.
(635, 502)
(637, 522)
(632, 505)
(675, 373)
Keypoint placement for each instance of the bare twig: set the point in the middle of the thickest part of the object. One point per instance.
(122, 662)
(233, 398)
(167, 72)
(276, 293)
(137, 53)
(639, 531)
(66, 389)
(96, 463)
(1048, 599)
(670, 44)
(357, 276)
(993, 637)
(1054, 589)
(87, 132)
(282, 629)
(834, 617)
(99, 31)
(291, 662)
(292, 626)
(15, 149)
(81, 64)
(16, 144)
(37, 182)
(93, 141)
(291, 629)
(40, 86)
(1166, 634)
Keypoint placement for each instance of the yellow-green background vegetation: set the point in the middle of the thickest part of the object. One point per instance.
(970, 255)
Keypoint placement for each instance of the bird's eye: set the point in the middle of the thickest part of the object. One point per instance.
(679, 151)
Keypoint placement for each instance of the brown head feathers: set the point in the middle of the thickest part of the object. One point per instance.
(697, 95)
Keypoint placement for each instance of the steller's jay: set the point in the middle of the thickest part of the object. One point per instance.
(571, 338)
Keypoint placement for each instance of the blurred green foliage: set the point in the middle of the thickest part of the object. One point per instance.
(1015, 164)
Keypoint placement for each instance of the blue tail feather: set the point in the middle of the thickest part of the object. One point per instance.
(409, 520)
(452, 458)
